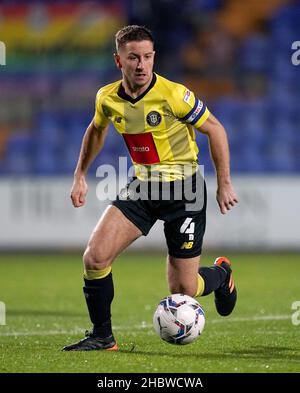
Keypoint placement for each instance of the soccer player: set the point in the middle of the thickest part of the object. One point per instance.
(156, 118)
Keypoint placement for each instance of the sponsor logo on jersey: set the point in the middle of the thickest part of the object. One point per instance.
(153, 118)
(140, 148)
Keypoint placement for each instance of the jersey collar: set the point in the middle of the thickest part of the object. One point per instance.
(125, 96)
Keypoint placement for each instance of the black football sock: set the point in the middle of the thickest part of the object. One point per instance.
(213, 278)
(99, 295)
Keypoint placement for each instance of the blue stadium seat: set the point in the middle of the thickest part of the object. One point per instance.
(286, 19)
(49, 128)
(281, 156)
(256, 53)
(251, 159)
(46, 160)
(19, 154)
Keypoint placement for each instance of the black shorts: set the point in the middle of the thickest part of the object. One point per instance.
(180, 204)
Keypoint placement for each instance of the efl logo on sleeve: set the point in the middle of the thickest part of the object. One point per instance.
(187, 97)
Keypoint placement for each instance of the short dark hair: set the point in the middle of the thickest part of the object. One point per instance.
(133, 33)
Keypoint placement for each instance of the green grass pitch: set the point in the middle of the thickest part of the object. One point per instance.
(46, 310)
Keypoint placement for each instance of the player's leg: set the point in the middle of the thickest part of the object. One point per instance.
(184, 236)
(185, 276)
(226, 293)
(182, 275)
(113, 233)
(184, 232)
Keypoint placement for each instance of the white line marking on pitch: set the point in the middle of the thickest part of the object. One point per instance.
(254, 319)
(143, 326)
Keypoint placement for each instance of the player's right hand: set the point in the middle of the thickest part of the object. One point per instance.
(79, 191)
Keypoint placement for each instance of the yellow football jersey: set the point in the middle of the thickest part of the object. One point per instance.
(157, 126)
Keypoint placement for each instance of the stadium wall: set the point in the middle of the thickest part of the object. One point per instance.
(36, 214)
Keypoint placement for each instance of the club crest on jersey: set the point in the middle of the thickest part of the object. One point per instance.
(153, 118)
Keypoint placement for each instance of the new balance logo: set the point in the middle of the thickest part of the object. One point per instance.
(187, 245)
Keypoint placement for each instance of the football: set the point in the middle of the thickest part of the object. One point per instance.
(179, 319)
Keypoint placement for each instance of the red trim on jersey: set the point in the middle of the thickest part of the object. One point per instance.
(142, 148)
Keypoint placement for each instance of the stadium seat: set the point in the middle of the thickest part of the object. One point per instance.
(257, 126)
(19, 154)
(256, 52)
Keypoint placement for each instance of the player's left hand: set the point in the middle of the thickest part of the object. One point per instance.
(226, 197)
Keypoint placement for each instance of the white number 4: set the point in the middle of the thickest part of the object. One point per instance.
(188, 227)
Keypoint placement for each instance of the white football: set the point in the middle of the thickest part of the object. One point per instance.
(179, 319)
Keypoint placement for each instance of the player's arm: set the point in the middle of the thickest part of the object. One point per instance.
(92, 144)
(193, 111)
(218, 143)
